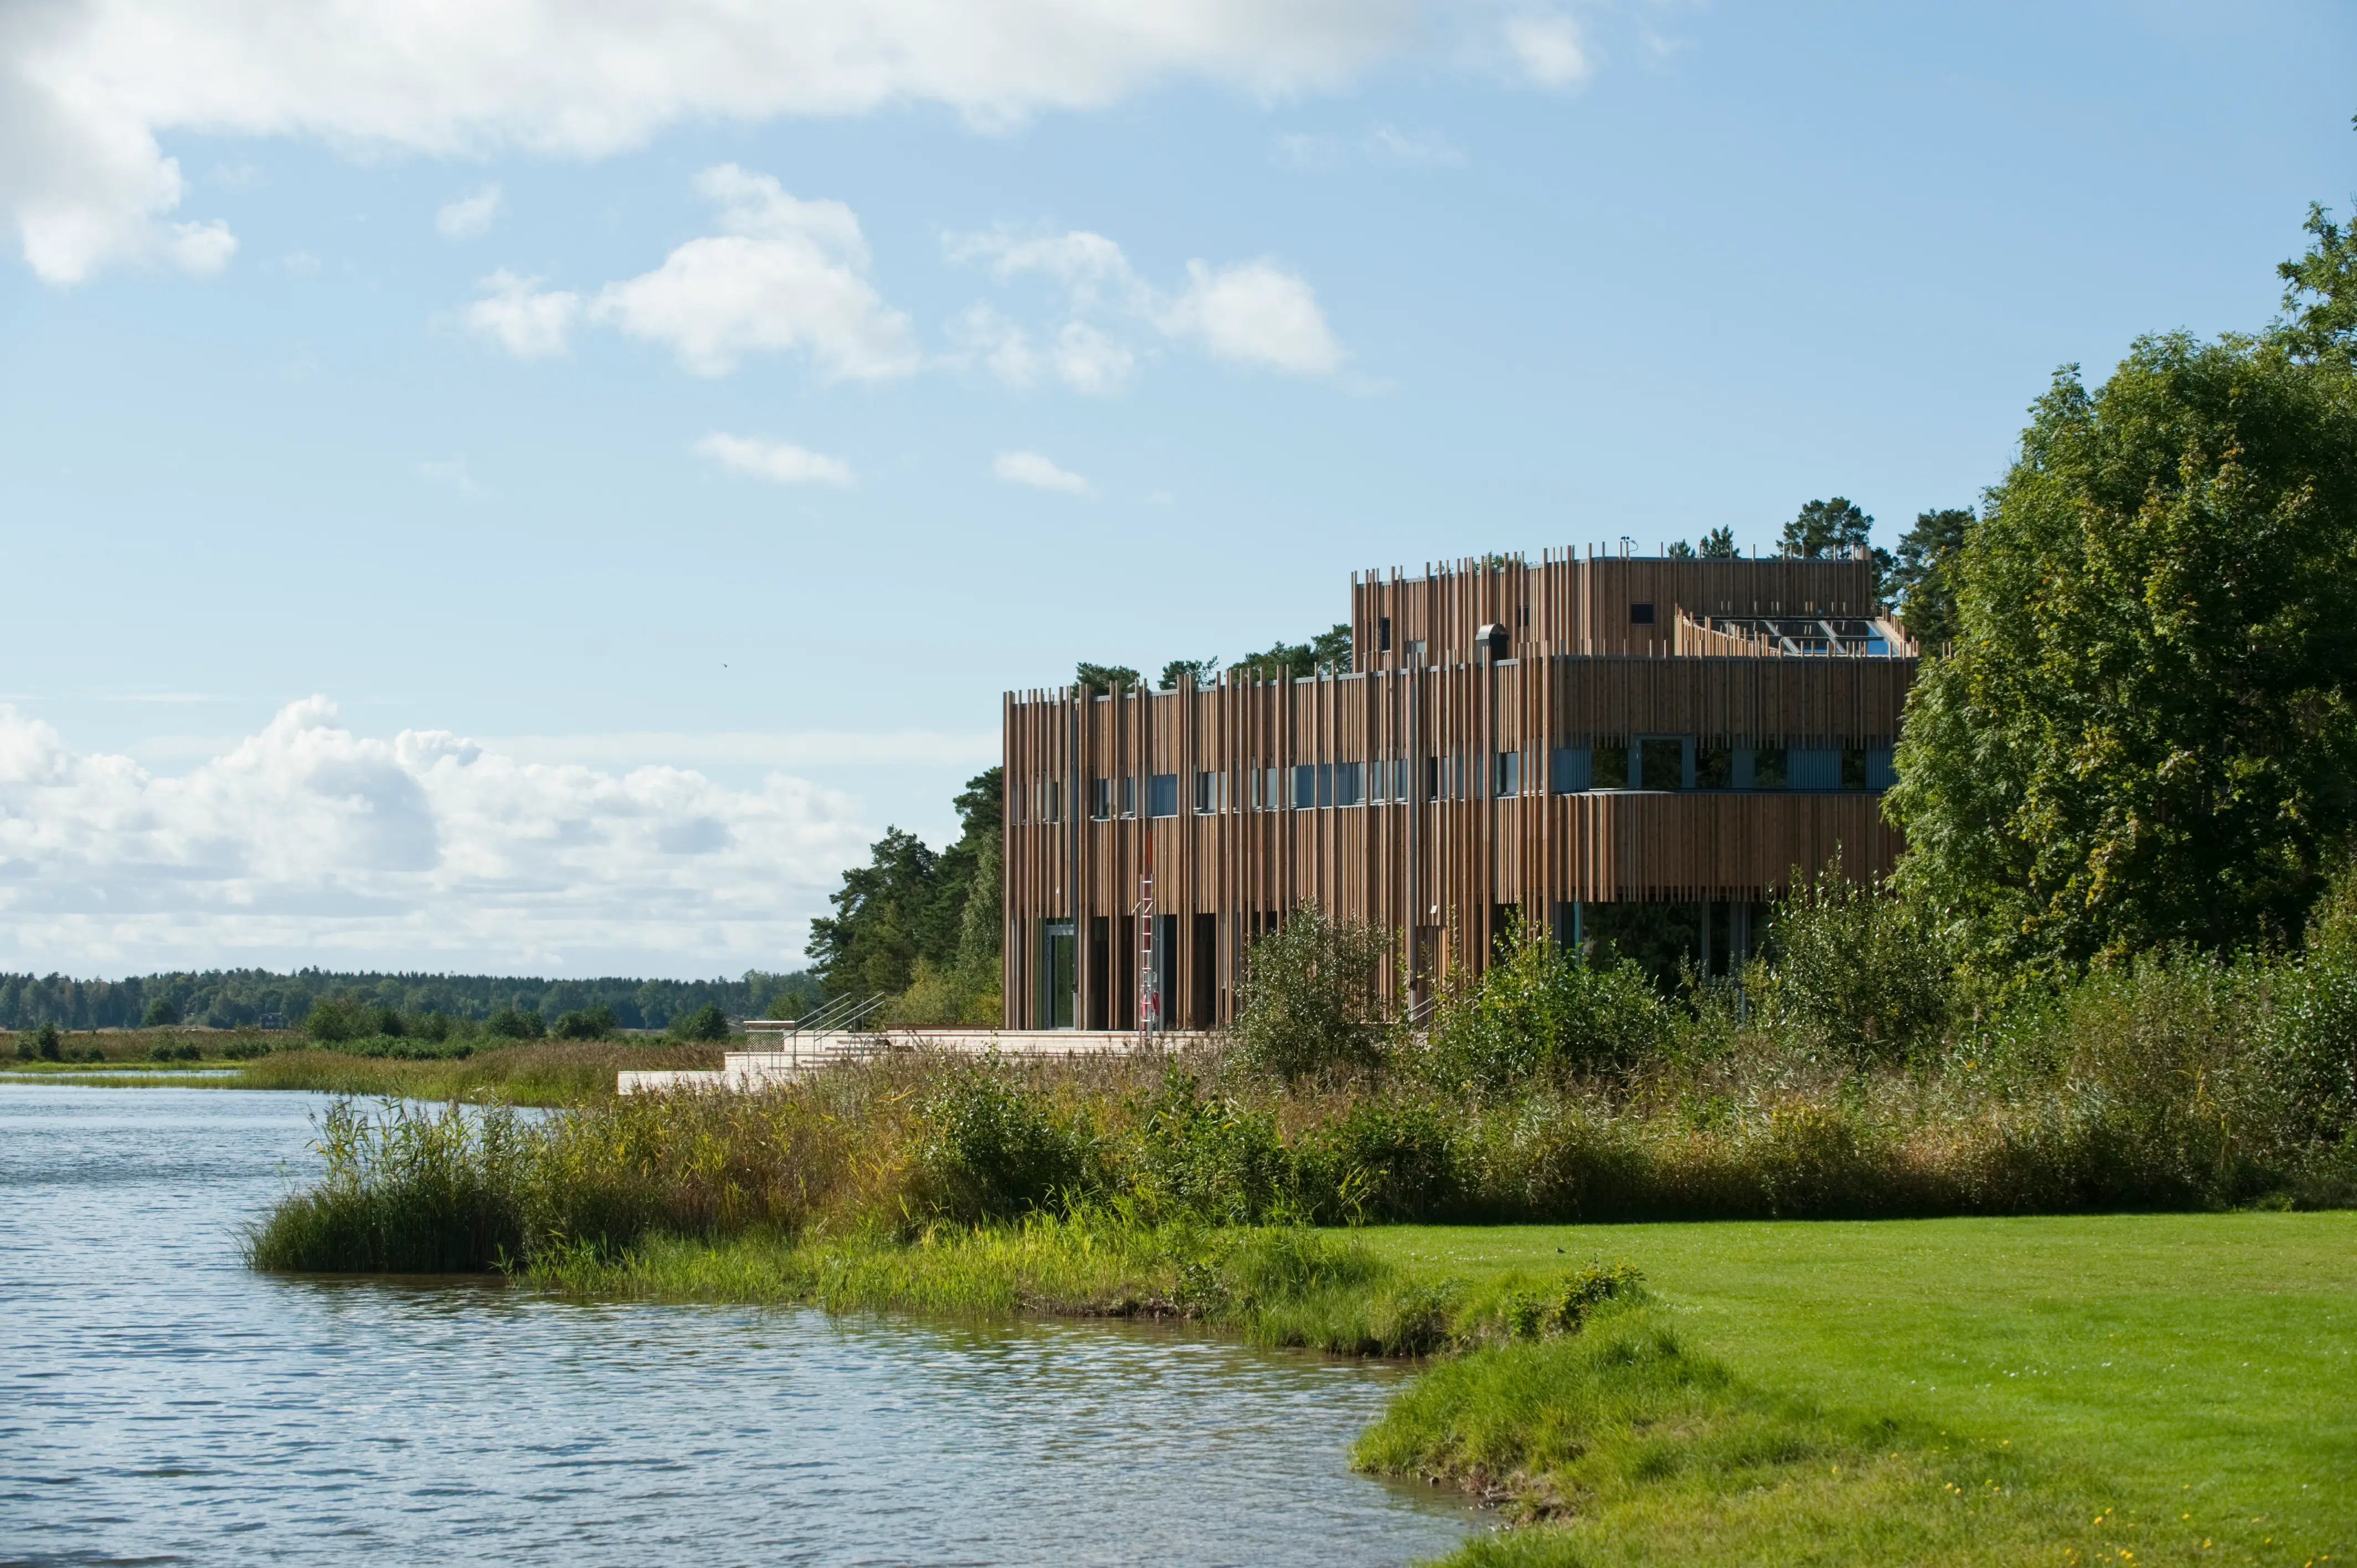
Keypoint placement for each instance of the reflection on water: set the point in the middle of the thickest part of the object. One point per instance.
(159, 1403)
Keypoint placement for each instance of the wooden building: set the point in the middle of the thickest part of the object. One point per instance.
(1512, 740)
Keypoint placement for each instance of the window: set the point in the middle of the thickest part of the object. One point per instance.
(1305, 788)
(1346, 790)
(1162, 795)
(1055, 799)
(1129, 794)
(1325, 784)
(1768, 768)
(1100, 798)
(1853, 768)
(1384, 634)
(1713, 767)
(1568, 770)
(1210, 793)
(1641, 614)
(1880, 773)
(1610, 766)
(1506, 778)
(1661, 765)
(1813, 768)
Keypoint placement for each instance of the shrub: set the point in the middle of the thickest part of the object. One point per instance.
(174, 1051)
(385, 1021)
(586, 1024)
(1388, 1156)
(1308, 1003)
(1856, 968)
(337, 1018)
(246, 1049)
(160, 1014)
(1221, 1159)
(707, 1024)
(46, 1044)
(1542, 1014)
(992, 1147)
(512, 1024)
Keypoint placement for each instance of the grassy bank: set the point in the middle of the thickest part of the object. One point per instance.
(537, 1072)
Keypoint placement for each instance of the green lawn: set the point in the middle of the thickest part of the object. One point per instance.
(2207, 1364)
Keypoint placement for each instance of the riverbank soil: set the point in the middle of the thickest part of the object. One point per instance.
(2202, 1368)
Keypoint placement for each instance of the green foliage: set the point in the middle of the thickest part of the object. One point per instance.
(1857, 969)
(1834, 528)
(910, 906)
(2145, 735)
(2320, 292)
(1308, 1003)
(410, 1190)
(1103, 680)
(160, 1013)
(518, 1024)
(337, 1018)
(707, 1024)
(1920, 580)
(587, 1024)
(174, 1051)
(1718, 544)
(1330, 651)
(1678, 550)
(45, 1043)
(1201, 671)
(992, 1147)
(1541, 1014)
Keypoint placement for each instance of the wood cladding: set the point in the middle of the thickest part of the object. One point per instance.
(1589, 604)
(1445, 868)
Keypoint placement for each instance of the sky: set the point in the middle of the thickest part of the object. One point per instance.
(530, 489)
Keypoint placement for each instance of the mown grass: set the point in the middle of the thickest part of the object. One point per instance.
(2153, 1366)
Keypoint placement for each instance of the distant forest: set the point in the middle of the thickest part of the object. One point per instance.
(238, 998)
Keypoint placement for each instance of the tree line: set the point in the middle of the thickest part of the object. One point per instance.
(249, 997)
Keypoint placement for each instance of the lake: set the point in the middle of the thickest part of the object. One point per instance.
(160, 1403)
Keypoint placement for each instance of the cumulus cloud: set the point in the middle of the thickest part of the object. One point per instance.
(306, 840)
(779, 461)
(783, 275)
(1256, 313)
(89, 89)
(514, 314)
(1031, 469)
(468, 217)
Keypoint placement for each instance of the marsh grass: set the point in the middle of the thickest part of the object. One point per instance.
(539, 1073)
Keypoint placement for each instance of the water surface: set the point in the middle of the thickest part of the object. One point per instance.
(159, 1403)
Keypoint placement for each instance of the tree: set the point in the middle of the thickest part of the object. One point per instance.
(160, 1014)
(586, 1024)
(1678, 550)
(1331, 649)
(1103, 680)
(1718, 544)
(707, 1024)
(1919, 580)
(1309, 1003)
(2147, 731)
(1283, 661)
(1831, 528)
(1202, 672)
(883, 911)
(2321, 292)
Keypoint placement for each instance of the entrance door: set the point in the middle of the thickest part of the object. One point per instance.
(1058, 970)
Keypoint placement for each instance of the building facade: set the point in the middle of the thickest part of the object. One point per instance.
(1559, 743)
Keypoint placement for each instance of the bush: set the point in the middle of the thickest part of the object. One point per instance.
(992, 1147)
(707, 1024)
(174, 1051)
(1308, 1003)
(246, 1049)
(46, 1044)
(1543, 1014)
(160, 1014)
(1857, 969)
(337, 1018)
(1221, 1159)
(511, 1024)
(588, 1024)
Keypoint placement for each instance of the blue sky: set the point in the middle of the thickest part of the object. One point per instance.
(683, 434)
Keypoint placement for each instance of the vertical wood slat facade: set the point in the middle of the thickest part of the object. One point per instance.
(1445, 861)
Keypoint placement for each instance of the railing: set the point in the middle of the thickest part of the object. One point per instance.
(838, 1016)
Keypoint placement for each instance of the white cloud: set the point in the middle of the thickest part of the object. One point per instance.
(1031, 469)
(515, 315)
(1547, 47)
(88, 88)
(306, 842)
(785, 276)
(468, 217)
(1388, 144)
(781, 461)
(763, 749)
(1256, 313)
